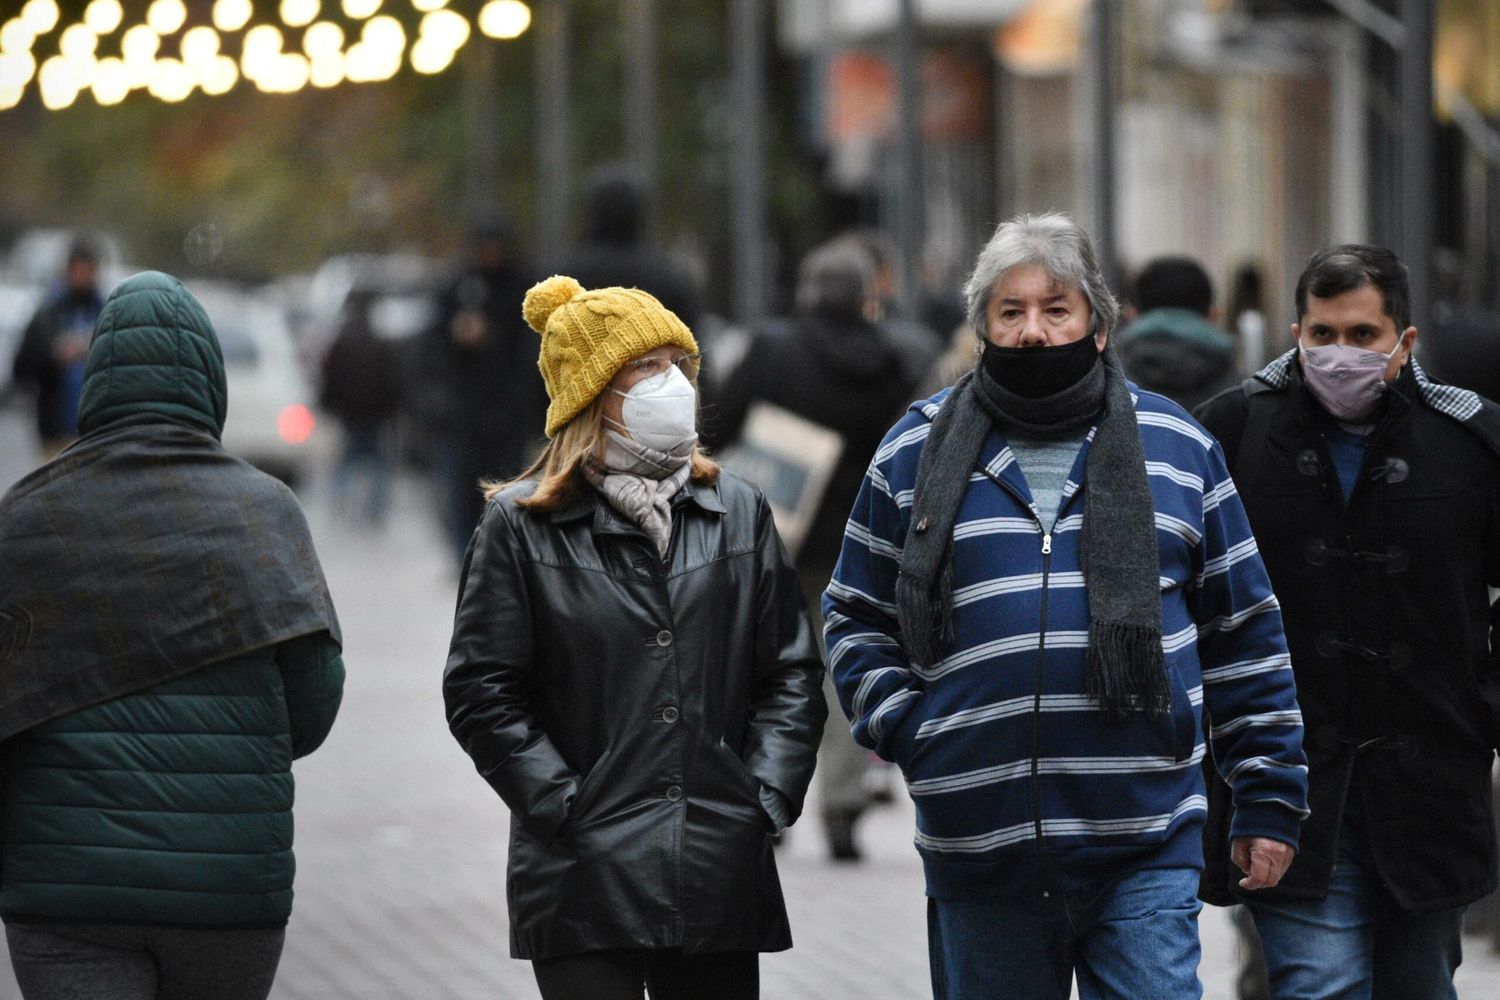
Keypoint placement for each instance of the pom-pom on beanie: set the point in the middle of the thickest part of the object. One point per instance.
(587, 335)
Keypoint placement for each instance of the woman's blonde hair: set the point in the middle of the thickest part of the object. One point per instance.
(559, 466)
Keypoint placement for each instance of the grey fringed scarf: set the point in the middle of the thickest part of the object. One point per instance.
(1121, 567)
(640, 482)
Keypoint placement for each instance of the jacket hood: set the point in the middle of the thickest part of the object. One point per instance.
(154, 352)
(1175, 350)
(1182, 325)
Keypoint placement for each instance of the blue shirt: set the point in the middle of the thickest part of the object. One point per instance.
(1347, 450)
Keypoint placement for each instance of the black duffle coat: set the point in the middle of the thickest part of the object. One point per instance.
(629, 709)
(1387, 614)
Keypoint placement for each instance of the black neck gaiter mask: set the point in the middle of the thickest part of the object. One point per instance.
(1034, 372)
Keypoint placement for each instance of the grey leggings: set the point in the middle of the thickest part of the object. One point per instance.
(126, 962)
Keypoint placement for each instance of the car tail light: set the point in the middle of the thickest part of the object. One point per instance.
(295, 424)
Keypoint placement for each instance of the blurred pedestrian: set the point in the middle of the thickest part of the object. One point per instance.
(482, 398)
(616, 249)
(834, 367)
(1045, 580)
(1247, 317)
(362, 389)
(169, 647)
(920, 344)
(1372, 494)
(1173, 345)
(633, 671)
(1464, 348)
(51, 357)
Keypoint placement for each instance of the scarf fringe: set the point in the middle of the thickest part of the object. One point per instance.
(1127, 669)
(914, 613)
(926, 614)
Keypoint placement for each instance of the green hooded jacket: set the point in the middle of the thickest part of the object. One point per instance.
(171, 804)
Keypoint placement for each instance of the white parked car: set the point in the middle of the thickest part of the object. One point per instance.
(273, 422)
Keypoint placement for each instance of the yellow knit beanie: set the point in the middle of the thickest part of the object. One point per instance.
(587, 335)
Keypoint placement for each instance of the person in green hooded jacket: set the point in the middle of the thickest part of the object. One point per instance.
(168, 646)
(1173, 346)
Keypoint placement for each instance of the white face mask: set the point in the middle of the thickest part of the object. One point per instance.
(661, 412)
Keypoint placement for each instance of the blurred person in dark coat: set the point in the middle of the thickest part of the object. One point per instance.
(919, 341)
(362, 388)
(615, 250)
(483, 398)
(1173, 347)
(1464, 348)
(831, 365)
(53, 349)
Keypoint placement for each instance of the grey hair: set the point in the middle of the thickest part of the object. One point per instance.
(1055, 243)
(837, 278)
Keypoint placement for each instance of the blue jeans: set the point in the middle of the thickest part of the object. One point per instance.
(365, 448)
(1136, 937)
(1356, 944)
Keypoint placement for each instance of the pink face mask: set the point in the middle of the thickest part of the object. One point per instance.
(1347, 381)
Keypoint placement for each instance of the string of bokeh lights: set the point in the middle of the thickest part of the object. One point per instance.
(166, 58)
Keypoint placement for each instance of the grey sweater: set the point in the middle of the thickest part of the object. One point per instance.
(1046, 462)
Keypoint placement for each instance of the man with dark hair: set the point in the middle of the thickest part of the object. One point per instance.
(1174, 283)
(1173, 346)
(1373, 494)
(55, 346)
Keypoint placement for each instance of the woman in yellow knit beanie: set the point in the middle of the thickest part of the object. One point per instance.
(633, 671)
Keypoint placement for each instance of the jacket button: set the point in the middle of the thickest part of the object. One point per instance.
(669, 714)
(674, 793)
(664, 638)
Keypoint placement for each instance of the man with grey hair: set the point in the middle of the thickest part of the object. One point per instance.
(830, 365)
(1047, 583)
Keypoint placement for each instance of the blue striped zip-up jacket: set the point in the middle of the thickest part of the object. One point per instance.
(1018, 778)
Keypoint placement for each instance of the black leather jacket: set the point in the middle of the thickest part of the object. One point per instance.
(1389, 625)
(628, 710)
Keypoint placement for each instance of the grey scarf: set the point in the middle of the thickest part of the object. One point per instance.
(1121, 567)
(640, 482)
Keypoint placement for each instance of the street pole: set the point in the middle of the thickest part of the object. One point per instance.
(1104, 72)
(640, 97)
(748, 152)
(482, 111)
(553, 126)
(1416, 153)
(909, 214)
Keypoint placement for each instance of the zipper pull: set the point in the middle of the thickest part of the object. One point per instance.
(1046, 544)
